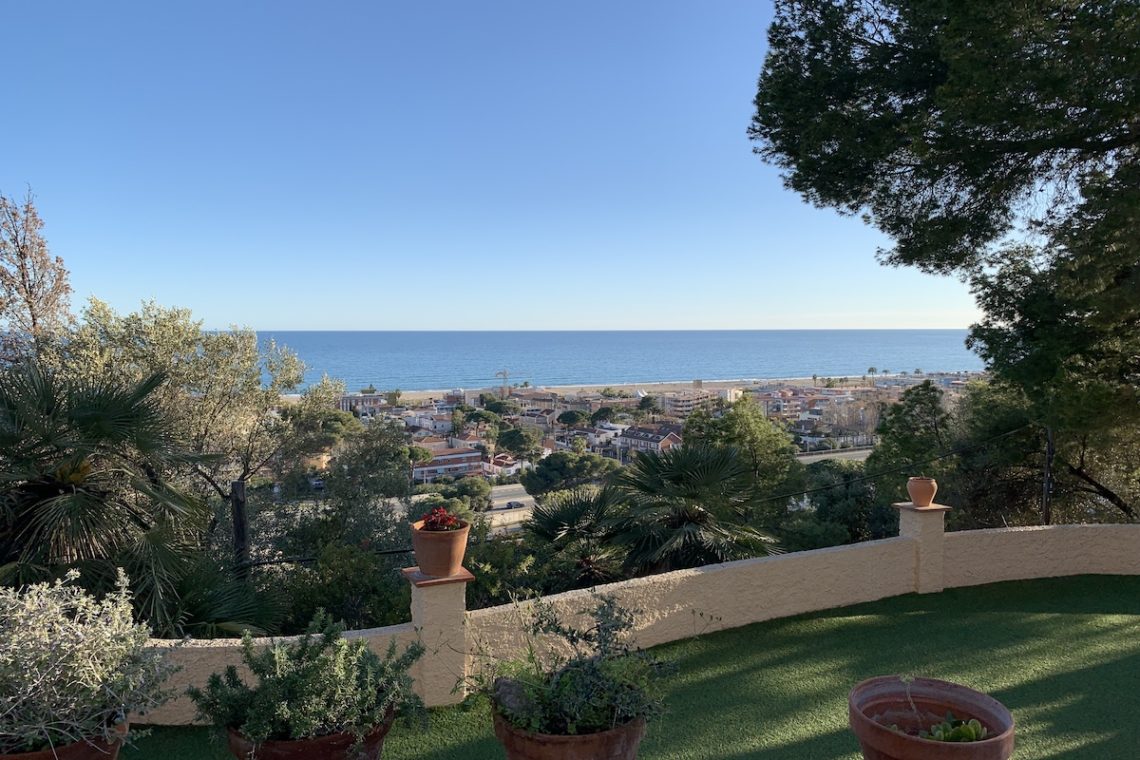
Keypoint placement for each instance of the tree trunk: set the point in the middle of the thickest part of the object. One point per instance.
(1047, 479)
(241, 528)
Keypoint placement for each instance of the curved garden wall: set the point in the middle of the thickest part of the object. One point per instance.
(973, 557)
(685, 603)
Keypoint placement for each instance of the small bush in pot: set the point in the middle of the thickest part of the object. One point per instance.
(318, 696)
(587, 694)
(72, 669)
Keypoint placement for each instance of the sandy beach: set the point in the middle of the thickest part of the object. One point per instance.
(632, 388)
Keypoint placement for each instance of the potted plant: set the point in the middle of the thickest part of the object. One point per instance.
(921, 490)
(319, 696)
(902, 718)
(588, 695)
(72, 669)
(439, 539)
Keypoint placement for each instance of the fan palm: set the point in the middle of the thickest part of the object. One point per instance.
(578, 525)
(81, 485)
(688, 507)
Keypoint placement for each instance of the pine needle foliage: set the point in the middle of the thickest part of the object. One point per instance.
(316, 685)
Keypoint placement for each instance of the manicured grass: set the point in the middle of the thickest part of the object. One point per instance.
(1062, 654)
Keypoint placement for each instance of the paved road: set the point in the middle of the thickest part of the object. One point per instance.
(505, 520)
(857, 455)
(501, 495)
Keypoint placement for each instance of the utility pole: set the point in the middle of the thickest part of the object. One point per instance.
(1047, 479)
(503, 374)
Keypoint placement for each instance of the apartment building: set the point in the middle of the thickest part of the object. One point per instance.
(647, 439)
(450, 462)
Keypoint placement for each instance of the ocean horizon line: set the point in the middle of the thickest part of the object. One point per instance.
(588, 330)
(436, 359)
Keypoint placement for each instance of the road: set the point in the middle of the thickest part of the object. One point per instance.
(505, 520)
(502, 495)
(857, 455)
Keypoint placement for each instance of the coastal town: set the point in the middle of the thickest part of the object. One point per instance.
(463, 430)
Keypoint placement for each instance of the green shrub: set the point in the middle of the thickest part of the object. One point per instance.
(355, 585)
(601, 684)
(72, 667)
(316, 685)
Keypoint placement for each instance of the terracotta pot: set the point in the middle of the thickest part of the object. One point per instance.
(331, 747)
(877, 703)
(921, 491)
(92, 749)
(616, 744)
(439, 553)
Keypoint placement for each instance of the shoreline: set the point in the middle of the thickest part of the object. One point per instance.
(677, 385)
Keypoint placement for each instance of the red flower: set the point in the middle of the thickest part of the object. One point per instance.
(440, 519)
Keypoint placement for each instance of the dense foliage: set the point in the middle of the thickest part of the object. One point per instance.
(320, 684)
(72, 667)
(688, 506)
(995, 140)
(83, 483)
(576, 530)
(602, 683)
(563, 470)
(948, 123)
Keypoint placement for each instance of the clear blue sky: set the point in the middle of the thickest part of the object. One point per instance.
(429, 165)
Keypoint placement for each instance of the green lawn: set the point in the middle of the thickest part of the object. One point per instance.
(1063, 655)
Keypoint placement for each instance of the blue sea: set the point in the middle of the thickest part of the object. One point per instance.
(444, 360)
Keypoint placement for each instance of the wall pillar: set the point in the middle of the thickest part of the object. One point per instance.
(439, 614)
(927, 527)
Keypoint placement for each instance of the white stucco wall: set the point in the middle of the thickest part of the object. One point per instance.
(686, 603)
(197, 659)
(974, 557)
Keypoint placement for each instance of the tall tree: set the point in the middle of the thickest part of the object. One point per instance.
(482, 418)
(957, 128)
(34, 289)
(951, 124)
(522, 443)
(913, 436)
(649, 405)
(564, 470)
(604, 414)
(766, 450)
(842, 496)
(573, 418)
(225, 389)
(1065, 328)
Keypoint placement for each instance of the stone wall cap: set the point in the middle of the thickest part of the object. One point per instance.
(910, 507)
(420, 580)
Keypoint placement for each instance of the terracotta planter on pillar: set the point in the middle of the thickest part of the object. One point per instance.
(921, 491)
(619, 743)
(877, 704)
(439, 553)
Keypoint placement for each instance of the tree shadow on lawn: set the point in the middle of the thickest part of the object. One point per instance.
(779, 686)
(1051, 650)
